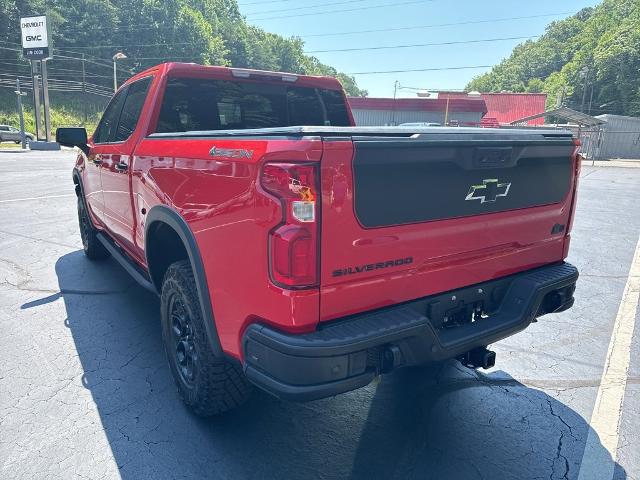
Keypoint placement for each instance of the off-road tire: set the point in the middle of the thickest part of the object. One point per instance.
(93, 249)
(214, 385)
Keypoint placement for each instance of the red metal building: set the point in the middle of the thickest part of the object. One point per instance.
(505, 107)
(387, 111)
(486, 110)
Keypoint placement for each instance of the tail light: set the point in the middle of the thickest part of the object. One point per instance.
(293, 245)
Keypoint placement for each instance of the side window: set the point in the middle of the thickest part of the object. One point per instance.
(305, 107)
(107, 127)
(136, 95)
(336, 109)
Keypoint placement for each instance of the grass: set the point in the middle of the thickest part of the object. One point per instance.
(60, 117)
(10, 145)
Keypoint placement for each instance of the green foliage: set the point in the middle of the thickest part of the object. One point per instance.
(602, 43)
(210, 32)
(60, 117)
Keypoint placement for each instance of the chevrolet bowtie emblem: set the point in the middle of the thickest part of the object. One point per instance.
(489, 191)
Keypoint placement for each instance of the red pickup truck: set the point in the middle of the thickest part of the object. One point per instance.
(297, 252)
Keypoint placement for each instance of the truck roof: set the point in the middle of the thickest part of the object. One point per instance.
(231, 73)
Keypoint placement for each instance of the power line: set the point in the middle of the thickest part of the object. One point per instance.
(434, 69)
(21, 65)
(60, 81)
(413, 2)
(53, 69)
(164, 44)
(142, 26)
(12, 49)
(263, 2)
(304, 7)
(103, 63)
(166, 58)
(433, 25)
(106, 64)
(391, 47)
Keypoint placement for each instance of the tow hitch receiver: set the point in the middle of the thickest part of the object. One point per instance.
(478, 358)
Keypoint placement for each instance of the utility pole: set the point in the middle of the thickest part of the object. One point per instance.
(446, 113)
(84, 92)
(19, 95)
(396, 85)
(585, 74)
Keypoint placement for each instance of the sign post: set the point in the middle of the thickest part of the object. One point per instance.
(35, 47)
(45, 93)
(35, 76)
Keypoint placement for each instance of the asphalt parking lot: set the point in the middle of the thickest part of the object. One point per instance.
(85, 391)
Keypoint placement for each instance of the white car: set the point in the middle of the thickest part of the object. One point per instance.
(420, 124)
(12, 134)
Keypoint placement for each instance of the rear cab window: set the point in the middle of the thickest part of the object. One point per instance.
(191, 104)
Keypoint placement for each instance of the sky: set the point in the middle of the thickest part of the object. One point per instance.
(313, 19)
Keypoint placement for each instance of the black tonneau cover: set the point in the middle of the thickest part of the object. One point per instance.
(455, 134)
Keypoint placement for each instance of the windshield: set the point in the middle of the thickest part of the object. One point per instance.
(204, 104)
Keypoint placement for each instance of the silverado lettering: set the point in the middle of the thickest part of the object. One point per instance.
(257, 238)
(372, 266)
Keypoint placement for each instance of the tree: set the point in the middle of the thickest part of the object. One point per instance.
(211, 32)
(602, 43)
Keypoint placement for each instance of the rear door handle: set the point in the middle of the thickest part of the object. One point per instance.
(97, 160)
(121, 166)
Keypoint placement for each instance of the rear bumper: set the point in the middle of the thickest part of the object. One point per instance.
(349, 353)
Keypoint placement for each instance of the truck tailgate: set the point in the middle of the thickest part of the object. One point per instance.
(408, 216)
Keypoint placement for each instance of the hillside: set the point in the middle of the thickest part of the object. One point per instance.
(210, 32)
(602, 43)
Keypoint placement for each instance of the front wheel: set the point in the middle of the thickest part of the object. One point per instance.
(92, 247)
(208, 385)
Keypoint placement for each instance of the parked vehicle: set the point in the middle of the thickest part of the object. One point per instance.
(12, 134)
(420, 124)
(296, 252)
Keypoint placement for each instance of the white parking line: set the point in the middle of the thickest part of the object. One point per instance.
(37, 198)
(598, 460)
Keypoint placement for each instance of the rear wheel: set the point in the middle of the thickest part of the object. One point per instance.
(207, 384)
(92, 247)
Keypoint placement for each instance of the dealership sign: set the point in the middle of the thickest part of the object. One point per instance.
(35, 37)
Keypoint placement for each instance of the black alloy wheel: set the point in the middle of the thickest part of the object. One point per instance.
(184, 351)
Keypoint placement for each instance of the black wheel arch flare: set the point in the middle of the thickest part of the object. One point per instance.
(171, 218)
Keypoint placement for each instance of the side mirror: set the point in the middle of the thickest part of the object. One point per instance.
(73, 137)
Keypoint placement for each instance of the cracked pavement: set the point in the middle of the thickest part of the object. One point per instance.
(85, 391)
